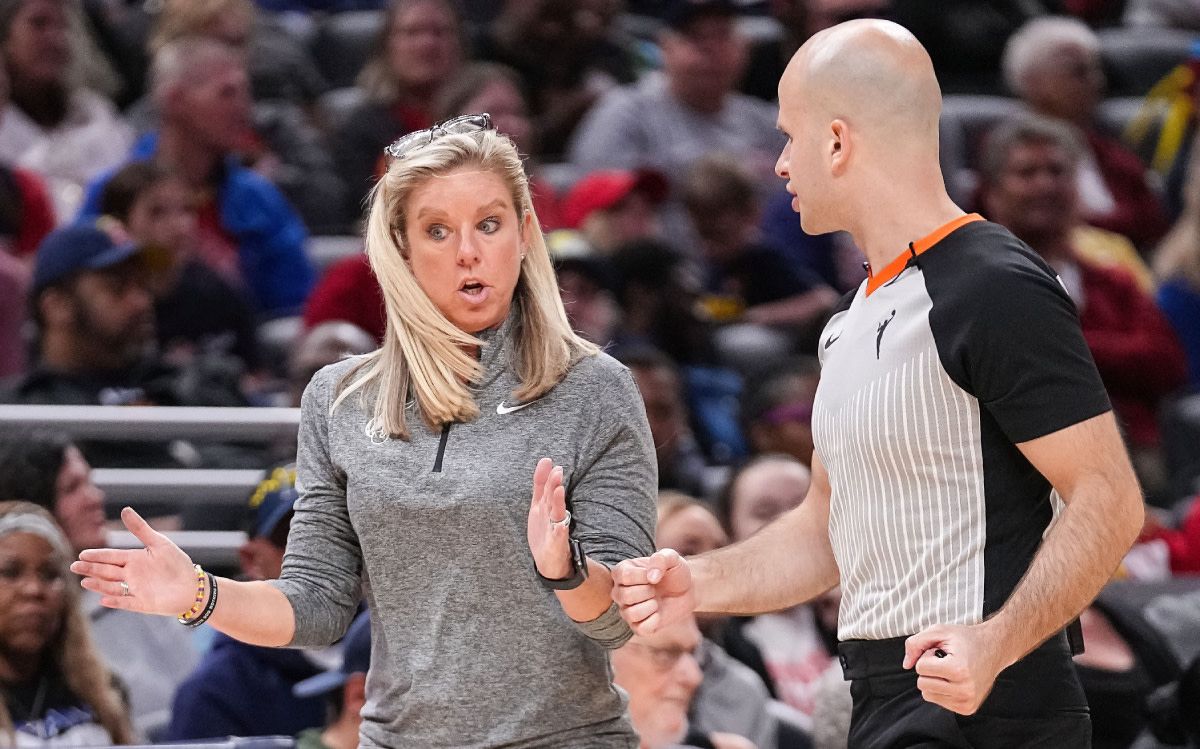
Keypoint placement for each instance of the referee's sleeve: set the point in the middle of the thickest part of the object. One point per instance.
(1009, 334)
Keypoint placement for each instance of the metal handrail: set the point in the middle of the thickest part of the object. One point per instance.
(218, 486)
(208, 548)
(155, 422)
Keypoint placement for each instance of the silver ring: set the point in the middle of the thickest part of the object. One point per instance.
(124, 588)
(566, 521)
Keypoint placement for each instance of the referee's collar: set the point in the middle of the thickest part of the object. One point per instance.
(900, 262)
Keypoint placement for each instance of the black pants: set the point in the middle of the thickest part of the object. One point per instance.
(1037, 702)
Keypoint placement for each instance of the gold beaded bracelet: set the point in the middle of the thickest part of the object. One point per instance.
(201, 578)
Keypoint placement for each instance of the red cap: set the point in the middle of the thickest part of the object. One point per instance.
(599, 191)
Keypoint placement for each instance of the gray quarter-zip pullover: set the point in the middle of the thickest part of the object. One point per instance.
(468, 648)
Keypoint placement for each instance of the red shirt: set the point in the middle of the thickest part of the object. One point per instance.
(348, 292)
(1138, 214)
(1136, 351)
(37, 213)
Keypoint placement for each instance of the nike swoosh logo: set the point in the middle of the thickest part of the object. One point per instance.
(831, 340)
(503, 409)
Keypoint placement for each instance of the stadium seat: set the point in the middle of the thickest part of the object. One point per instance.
(343, 43)
(1137, 58)
(336, 106)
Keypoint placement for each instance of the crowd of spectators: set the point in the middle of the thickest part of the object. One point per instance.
(168, 171)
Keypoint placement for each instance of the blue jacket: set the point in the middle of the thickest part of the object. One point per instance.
(244, 690)
(269, 233)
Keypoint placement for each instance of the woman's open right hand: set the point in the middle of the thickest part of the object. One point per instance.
(159, 579)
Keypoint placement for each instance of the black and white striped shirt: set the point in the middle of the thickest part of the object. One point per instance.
(932, 372)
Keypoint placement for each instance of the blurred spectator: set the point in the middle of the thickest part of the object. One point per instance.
(194, 307)
(668, 121)
(1178, 14)
(348, 292)
(344, 689)
(150, 655)
(14, 303)
(279, 66)
(280, 143)
(247, 231)
(1172, 709)
(1054, 65)
(686, 525)
(420, 50)
(965, 38)
(748, 280)
(610, 208)
(496, 89)
(681, 464)
(325, 344)
(761, 490)
(789, 649)
(1183, 543)
(246, 690)
(95, 337)
(63, 132)
(658, 290)
(660, 673)
(1125, 660)
(798, 20)
(56, 689)
(586, 283)
(26, 215)
(566, 51)
(1029, 186)
(777, 409)
(50, 471)
(1177, 268)
(319, 6)
(731, 698)
(832, 706)
(818, 254)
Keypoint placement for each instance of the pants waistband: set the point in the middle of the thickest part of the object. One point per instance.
(862, 659)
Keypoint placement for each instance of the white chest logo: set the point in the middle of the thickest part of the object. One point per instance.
(503, 409)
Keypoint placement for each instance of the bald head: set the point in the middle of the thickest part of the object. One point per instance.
(872, 74)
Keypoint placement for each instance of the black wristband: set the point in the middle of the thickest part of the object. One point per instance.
(578, 575)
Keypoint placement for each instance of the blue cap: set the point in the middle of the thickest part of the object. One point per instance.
(356, 659)
(93, 246)
(272, 500)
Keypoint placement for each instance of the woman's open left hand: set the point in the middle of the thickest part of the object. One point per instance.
(548, 538)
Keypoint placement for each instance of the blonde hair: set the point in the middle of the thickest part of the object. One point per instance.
(73, 651)
(425, 355)
(182, 18)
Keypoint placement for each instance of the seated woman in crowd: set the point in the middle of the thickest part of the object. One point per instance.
(56, 689)
(419, 50)
(150, 656)
(790, 649)
(65, 133)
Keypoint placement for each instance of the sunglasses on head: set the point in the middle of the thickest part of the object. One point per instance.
(467, 123)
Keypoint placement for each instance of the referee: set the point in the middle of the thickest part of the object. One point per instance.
(970, 491)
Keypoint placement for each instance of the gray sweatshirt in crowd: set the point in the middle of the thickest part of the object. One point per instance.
(467, 648)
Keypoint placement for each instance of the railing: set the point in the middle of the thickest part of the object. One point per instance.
(180, 486)
(154, 423)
